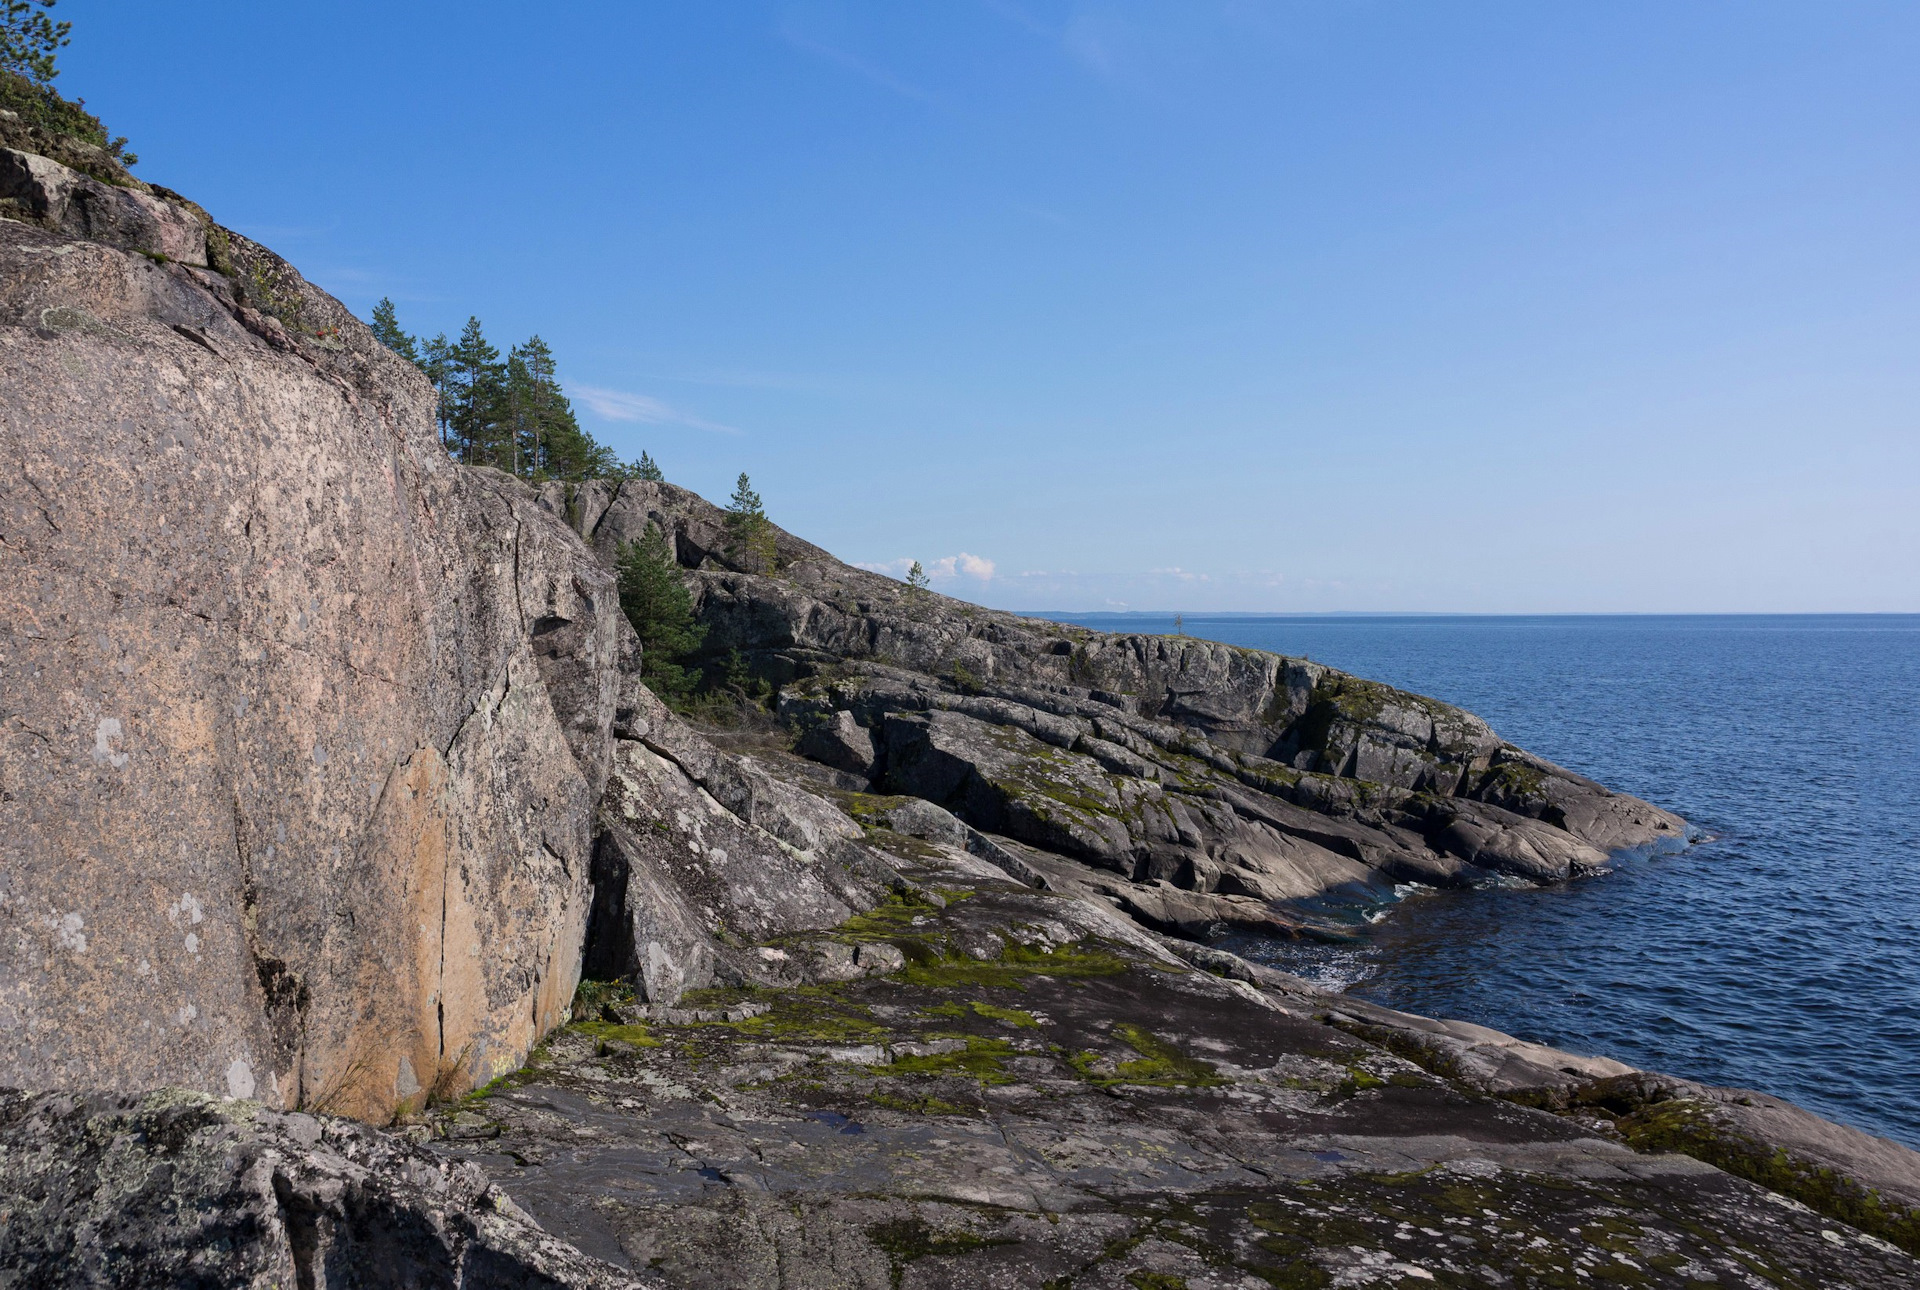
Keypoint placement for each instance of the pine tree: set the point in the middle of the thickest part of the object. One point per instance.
(474, 395)
(661, 611)
(745, 503)
(436, 360)
(917, 579)
(748, 525)
(647, 470)
(555, 445)
(387, 330)
(29, 40)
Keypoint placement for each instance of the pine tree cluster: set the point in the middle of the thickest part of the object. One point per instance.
(506, 413)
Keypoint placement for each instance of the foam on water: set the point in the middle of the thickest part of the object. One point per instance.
(1778, 952)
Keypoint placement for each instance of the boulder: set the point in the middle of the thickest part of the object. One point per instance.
(839, 741)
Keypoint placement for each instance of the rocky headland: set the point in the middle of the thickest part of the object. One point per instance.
(368, 921)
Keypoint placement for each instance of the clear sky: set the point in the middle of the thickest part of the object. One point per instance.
(1150, 304)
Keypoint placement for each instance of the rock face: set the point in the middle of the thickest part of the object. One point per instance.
(306, 729)
(299, 716)
(1211, 784)
(179, 1189)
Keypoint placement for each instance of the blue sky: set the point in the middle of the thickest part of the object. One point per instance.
(1149, 304)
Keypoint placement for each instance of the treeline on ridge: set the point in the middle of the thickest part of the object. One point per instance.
(508, 413)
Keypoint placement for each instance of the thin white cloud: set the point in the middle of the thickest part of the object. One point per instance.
(1093, 39)
(945, 569)
(620, 405)
(858, 66)
(1019, 17)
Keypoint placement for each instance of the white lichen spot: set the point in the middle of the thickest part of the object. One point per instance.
(104, 735)
(239, 1079)
(193, 943)
(189, 906)
(186, 1015)
(68, 930)
(406, 1083)
(145, 968)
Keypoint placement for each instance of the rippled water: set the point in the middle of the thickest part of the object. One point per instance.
(1781, 955)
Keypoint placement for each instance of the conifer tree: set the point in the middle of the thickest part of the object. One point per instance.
(647, 470)
(387, 330)
(748, 525)
(474, 395)
(661, 611)
(436, 360)
(745, 503)
(30, 40)
(512, 414)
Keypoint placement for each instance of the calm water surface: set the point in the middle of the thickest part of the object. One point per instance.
(1781, 954)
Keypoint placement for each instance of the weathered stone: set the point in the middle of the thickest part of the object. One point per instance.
(80, 206)
(178, 1189)
(1094, 1115)
(1223, 771)
(305, 724)
(839, 741)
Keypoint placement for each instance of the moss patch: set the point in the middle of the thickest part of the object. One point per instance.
(638, 1036)
(904, 1240)
(1018, 1017)
(1690, 1128)
(1160, 1064)
(983, 1059)
(936, 967)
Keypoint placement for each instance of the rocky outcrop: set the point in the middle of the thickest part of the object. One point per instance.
(300, 718)
(1045, 1095)
(307, 731)
(179, 1189)
(1224, 783)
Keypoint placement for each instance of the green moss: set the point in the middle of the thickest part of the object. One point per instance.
(1160, 1064)
(905, 1240)
(605, 1030)
(867, 808)
(935, 967)
(893, 917)
(1689, 1127)
(1512, 779)
(1007, 1016)
(915, 1105)
(809, 1014)
(1358, 1080)
(983, 1059)
(1141, 1279)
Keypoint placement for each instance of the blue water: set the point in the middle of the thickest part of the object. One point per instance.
(1779, 955)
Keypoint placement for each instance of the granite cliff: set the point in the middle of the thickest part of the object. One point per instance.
(307, 729)
(327, 775)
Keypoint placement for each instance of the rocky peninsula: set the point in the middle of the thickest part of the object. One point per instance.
(368, 921)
